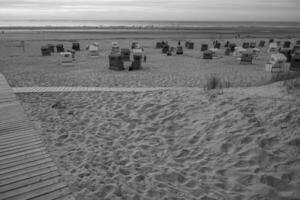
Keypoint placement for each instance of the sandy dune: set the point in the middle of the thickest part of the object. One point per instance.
(173, 145)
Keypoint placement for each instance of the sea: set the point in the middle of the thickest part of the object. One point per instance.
(142, 24)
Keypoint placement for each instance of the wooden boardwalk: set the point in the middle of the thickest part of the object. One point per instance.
(26, 169)
(99, 89)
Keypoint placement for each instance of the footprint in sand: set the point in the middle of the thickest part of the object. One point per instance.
(273, 182)
(295, 142)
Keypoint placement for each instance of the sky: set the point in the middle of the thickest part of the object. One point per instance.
(178, 10)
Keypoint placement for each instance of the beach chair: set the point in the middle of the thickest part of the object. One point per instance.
(51, 48)
(115, 49)
(165, 49)
(238, 51)
(116, 62)
(227, 44)
(273, 48)
(65, 58)
(261, 43)
(255, 52)
(125, 53)
(287, 52)
(136, 63)
(189, 45)
(137, 59)
(93, 50)
(246, 58)
(296, 49)
(159, 45)
(277, 63)
(252, 45)
(227, 51)
(278, 43)
(135, 45)
(246, 45)
(60, 48)
(217, 45)
(45, 51)
(295, 62)
(72, 52)
(232, 46)
(286, 44)
(179, 50)
(207, 55)
(204, 47)
(76, 46)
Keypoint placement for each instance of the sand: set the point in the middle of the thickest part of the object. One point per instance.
(236, 144)
(29, 68)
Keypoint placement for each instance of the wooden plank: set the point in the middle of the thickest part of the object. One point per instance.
(20, 192)
(26, 170)
(27, 165)
(25, 140)
(24, 161)
(25, 182)
(54, 195)
(28, 175)
(22, 157)
(19, 146)
(20, 150)
(19, 134)
(68, 197)
(22, 153)
(38, 192)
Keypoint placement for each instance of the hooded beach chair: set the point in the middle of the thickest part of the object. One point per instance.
(60, 48)
(137, 59)
(277, 63)
(76, 46)
(65, 58)
(286, 44)
(247, 58)
(204, 47)
(189, 45)
(115, 49)
(93, 50)
(207, 55)
(261, 43)
(179, 50)
(232, 46)
(45, 51)
(246, 45)
(252, 45)
(125, 53)
(295, 62)
(238, 51)
(165, 49)
(287, 52)
(51, 47)
(273, 48)
(116, 62)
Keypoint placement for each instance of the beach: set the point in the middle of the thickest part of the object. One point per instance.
(29, 68)
(238, 142)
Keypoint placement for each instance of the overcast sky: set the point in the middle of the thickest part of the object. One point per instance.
(203, 10)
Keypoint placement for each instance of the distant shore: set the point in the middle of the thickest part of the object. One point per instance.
(198, 32)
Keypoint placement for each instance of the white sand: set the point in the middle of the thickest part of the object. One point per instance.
(242, 144)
